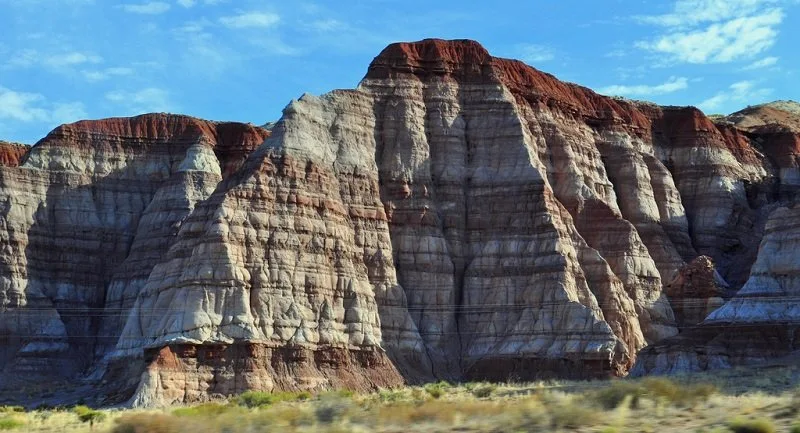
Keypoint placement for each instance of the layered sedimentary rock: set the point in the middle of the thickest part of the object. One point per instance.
(456, 216)
(760, 321)
(85, 218)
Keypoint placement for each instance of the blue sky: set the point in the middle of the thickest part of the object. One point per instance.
(244, 60)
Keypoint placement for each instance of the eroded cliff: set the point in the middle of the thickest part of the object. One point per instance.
(456, 216)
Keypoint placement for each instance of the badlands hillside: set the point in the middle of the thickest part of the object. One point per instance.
(456, 216)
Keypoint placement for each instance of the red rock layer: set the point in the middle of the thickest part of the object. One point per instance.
(11, 153)
(177, 374)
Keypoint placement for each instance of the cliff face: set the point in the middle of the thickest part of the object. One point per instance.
(760, 321)
(85, 218)
(455, 216)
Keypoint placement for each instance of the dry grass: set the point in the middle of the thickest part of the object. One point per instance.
(730, 401)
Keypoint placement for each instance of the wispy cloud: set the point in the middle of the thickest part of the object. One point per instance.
(327, 25)
(34, 107)
(763, 63)
(150, 8)
(71, 59)
(673, 84)
(104, 74)
(715, 31)
(740, 93)
(250, 20)
(151, 99)
(190, 3)
(534, 53)
(30, 57)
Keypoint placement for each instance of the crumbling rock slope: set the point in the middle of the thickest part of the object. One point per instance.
(456, 216)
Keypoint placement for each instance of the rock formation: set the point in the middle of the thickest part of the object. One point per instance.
(760, 321)
(11, 153)
(457, 216)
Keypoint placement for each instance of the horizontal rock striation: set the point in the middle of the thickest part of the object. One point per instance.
(760, 321)
(457, 216)
(85, 218)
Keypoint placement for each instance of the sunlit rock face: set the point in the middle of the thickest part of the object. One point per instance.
(456, 216)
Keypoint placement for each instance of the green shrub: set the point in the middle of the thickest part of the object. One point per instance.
(253, 399)
(795, 429)
(761, 425)
(391, 395)
(572, 415)
(483, 391)
(12, 409)
(88, 415)
(437, 390)
(654, 388)
(207, 409)
(613, 395)
(10, 423)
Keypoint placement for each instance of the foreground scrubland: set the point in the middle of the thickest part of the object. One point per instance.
(750, 400)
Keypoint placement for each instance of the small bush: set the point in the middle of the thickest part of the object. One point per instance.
(795, 429)
(483, 391)
(88, 415)
(12, 409)
(761, 425)
(149, 423)
(10, 423)
(654, 388)
(255, 399)
(437, 390)
(613, 395)
(391, 395)
(572, 415)
(207, 409)
(332, 407)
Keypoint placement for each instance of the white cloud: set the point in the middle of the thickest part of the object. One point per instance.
(147, 100)
(763, 63)
(186, 3)
(70, 59)
(250, 20)
(104, 74)
(688, 13)
(740, 93)
(150, 8)
(33, 107)
(715, 31)
(533, 53)
(674, 84)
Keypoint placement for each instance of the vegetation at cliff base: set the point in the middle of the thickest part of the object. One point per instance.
(731, 401)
